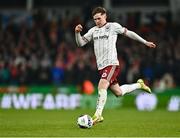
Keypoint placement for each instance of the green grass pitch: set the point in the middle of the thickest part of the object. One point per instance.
(118, 123)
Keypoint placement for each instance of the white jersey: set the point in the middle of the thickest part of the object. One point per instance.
(105, 43)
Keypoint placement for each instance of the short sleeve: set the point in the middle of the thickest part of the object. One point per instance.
(118, 28)
(89, 35)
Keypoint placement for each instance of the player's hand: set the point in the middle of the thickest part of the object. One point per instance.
(78, 28)
(150, 44)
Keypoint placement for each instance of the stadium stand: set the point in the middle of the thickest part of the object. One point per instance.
(38, 47)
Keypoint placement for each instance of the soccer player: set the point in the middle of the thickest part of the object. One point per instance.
(104, 35)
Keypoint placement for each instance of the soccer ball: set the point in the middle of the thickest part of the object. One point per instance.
(85, 121)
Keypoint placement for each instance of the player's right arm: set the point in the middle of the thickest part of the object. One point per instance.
(82, 40)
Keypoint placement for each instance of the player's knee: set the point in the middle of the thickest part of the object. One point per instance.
(103, 84)
(118, 94)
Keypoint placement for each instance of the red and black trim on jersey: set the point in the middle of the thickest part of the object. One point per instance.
(86, 40)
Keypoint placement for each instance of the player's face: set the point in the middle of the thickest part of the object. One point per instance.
(99, 19)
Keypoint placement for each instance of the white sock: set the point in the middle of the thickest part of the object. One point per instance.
(101, 102)
(127, 88)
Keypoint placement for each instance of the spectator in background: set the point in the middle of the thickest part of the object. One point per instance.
(4, 73)
(58, 71)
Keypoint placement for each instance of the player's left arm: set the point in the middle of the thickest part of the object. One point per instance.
(135, 36)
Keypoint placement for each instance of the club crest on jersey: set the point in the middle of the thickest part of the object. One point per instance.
(104, 74)
(107, 28)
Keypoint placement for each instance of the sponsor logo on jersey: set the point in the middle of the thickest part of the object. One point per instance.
(101, 37)
(107, 28)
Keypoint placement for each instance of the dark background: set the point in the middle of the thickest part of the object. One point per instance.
(37, 45)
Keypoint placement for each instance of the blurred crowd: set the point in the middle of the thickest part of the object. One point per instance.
(41, 49)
